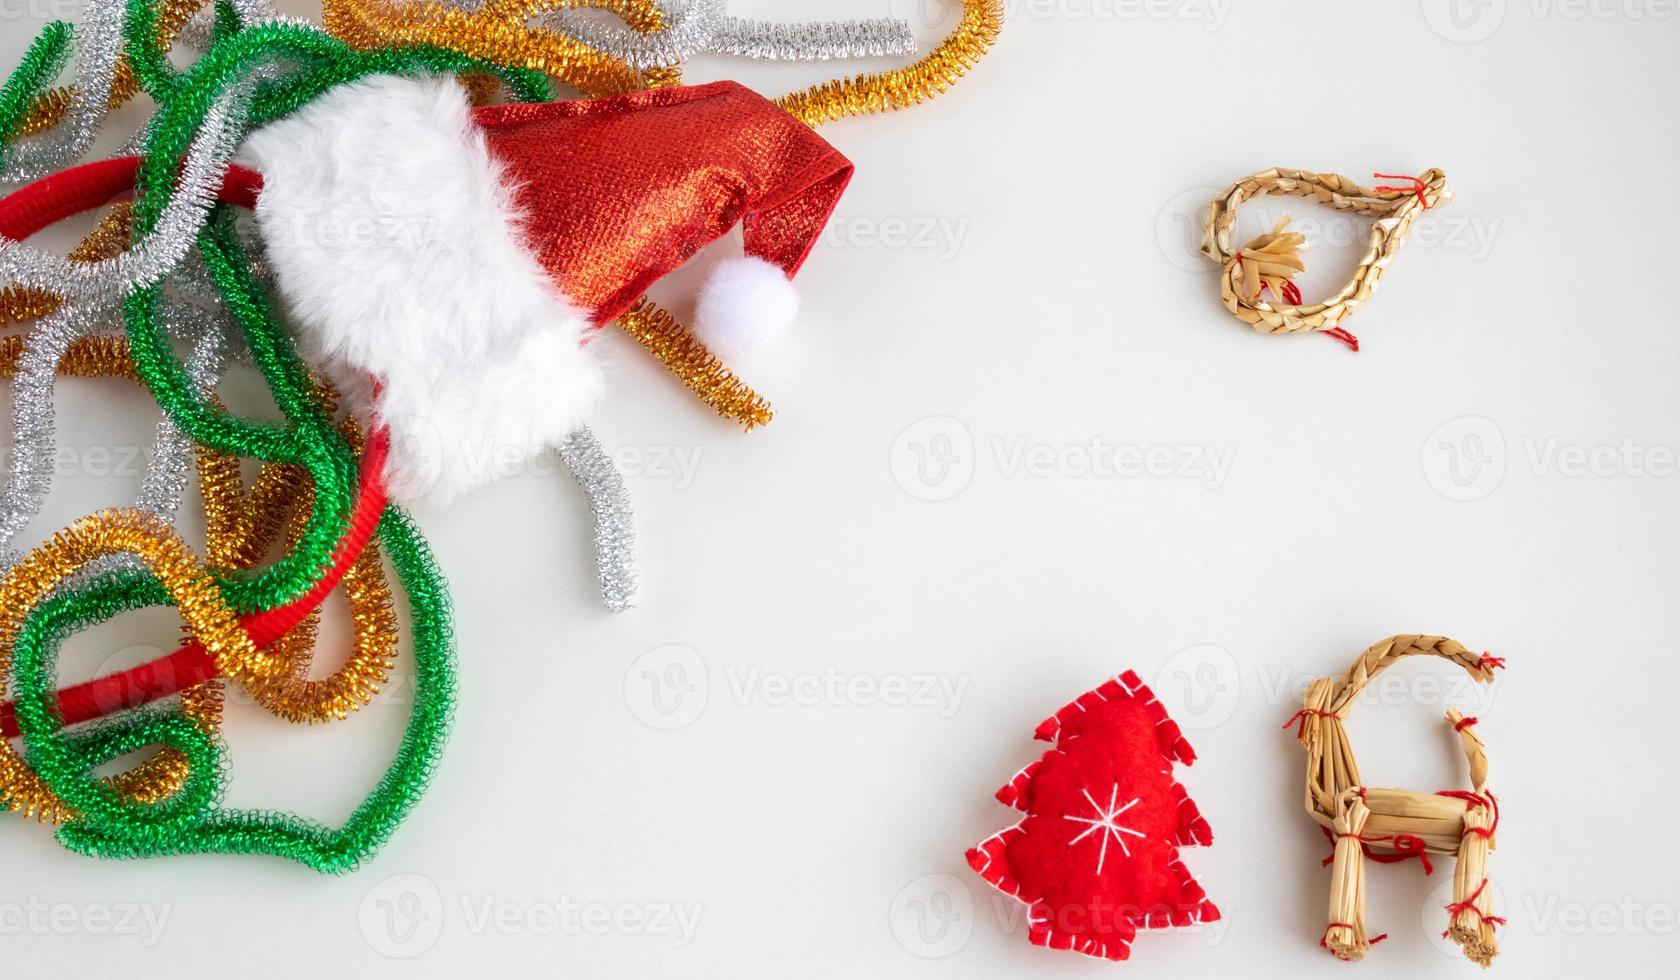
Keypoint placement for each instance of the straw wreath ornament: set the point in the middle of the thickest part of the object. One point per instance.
(1270, 262)
(1392, 825)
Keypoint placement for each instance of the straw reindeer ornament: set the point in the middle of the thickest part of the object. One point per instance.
(1390, 825)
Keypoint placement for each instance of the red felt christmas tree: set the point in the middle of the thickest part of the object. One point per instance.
(1095, 859)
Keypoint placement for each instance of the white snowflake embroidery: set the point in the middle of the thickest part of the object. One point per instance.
(1104, 821)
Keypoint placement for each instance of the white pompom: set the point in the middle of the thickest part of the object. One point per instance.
(745, 304)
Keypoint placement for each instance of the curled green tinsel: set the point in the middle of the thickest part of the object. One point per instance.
(272, 69)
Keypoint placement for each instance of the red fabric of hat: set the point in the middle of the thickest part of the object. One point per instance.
(617, 192)
(462, 257)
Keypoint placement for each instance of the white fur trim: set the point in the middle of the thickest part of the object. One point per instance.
(745, 304)
(399, 251)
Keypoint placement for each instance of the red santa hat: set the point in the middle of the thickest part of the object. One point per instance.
(461, 258)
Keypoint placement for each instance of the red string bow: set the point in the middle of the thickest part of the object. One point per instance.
(1418, 187)
(1406, 846)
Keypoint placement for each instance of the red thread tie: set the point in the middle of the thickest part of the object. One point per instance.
(1408, 845)
(1471, 801)
(1464, 723)
(1302, 717)
(1469, 905)
(1418, 187)
(1492, 662)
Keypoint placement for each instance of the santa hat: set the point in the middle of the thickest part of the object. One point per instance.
(460, 257)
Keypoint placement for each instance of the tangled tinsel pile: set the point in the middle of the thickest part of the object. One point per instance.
(169, 292)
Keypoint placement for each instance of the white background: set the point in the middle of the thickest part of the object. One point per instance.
(1015, 262)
